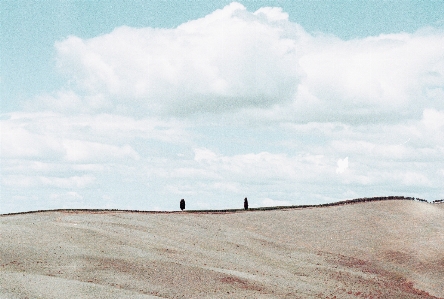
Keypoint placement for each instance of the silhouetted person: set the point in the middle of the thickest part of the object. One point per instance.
(246, 203)
(182, 204)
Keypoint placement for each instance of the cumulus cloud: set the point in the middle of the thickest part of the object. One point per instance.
(234, 104)
(342, 165)
(257, 63)
(388, 74)
(227, 60)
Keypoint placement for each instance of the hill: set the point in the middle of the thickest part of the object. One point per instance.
(377, 249)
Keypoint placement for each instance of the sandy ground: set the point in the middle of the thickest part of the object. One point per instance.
(389, 249)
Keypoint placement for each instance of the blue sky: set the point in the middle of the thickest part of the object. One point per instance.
(137, 104)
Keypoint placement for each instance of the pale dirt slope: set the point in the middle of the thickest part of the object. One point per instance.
(387, 249)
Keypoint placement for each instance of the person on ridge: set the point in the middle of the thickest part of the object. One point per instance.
(246, 203)
(182, 204)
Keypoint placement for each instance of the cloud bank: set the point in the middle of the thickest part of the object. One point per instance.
(233, 59)
(234, 104)
(228, 60)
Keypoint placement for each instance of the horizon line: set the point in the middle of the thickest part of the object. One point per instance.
(337, 203)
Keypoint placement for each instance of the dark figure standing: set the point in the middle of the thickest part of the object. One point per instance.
(246, 203)
(182, 204)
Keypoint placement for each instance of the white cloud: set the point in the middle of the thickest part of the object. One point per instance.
(263, 168)
(231, 105)
(67, 101)
(82, 138)
(230, 59)
(259, 64)
(27, 181)
(273, 14)
(18, 141)
(342, 165)
(203, 154)
(83, 151)
(385, 74)
(433, 119)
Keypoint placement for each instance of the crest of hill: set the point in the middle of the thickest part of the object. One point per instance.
(338, 203)
(381, 249)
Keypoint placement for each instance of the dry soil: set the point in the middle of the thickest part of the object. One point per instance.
(387, 249)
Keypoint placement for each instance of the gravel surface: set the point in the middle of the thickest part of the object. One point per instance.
(386, 249)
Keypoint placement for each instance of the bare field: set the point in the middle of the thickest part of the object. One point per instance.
(385, 249)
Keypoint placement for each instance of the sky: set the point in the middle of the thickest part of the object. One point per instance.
(137, 104)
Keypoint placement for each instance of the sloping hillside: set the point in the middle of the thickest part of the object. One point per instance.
(383, 249)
